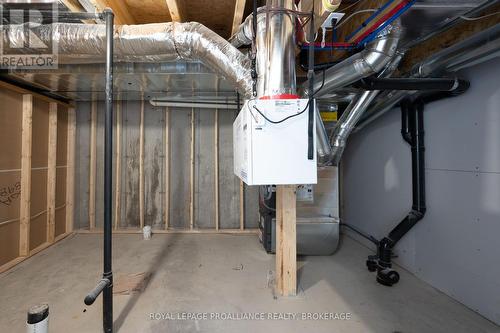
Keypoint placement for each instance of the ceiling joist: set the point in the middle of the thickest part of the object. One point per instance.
(321, 14)
(175, 9)
(239, 8)
(119, 7)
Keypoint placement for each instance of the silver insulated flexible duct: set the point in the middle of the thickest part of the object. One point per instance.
(86, 43)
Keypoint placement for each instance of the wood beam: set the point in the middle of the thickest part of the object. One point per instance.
(175, 9)
(118, 166)
(239, 8)
(119, 7)
(93, 163)
(242, 205)
(321, 14)
(191, 175)
(177, 231)
(121, 11)
(286, 240)
(51, 173)
(70, 170)
(25, 204)
(73, 5)
(216, 159)
(141, 167)
(14, 88)
(167, 169)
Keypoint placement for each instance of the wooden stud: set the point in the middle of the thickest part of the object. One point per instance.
(43, 246)
(93, 163)
(286, 240)
(51, 173)
(121, 11)
(141, 167)
(70, 170)
(216, 159)
(175, 9)
(118, 165)
(122, 14)
(191, 175)
(239, 8)
(321, 14)
(73, 5)
(20, 90)
(25, 205)
(242, 205)
(167, 169)
(176, 231)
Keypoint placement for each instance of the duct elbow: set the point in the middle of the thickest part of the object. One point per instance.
(381, 51)
(376, 56)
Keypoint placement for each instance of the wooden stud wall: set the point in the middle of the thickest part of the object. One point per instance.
(174, 171)
(36, 173)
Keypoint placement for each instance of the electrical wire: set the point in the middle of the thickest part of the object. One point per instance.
(350, 6)
(478, 17)
(344, 21)
(293, 115)
(284, 119)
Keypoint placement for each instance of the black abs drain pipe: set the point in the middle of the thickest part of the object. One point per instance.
(412, 130)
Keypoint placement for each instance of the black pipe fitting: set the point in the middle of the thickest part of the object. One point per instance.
(454, 85)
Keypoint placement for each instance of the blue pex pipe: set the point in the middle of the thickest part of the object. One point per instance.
(374, 33)
(368, 20)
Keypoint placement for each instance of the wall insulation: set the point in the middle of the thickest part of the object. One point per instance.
(35, 173)
(181, 179)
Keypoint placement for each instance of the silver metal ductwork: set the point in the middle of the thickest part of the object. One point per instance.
(275, 48)
(347, 122)
(380, 55)
(278, 76)
(85, 43)
(244, 34)
(370, 61)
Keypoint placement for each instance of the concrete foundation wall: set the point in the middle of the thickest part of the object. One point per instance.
(455, 247)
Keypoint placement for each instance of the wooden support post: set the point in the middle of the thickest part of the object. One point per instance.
(70, 170)
(191, 175)
(118, 166)
(242, 205)
(216, 159)
(25, 204)
(286, 240)
(93, 163)
(141, 167)
(167, 169)
(51, 173)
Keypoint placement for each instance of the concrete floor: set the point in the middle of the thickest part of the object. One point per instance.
(222, 273)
